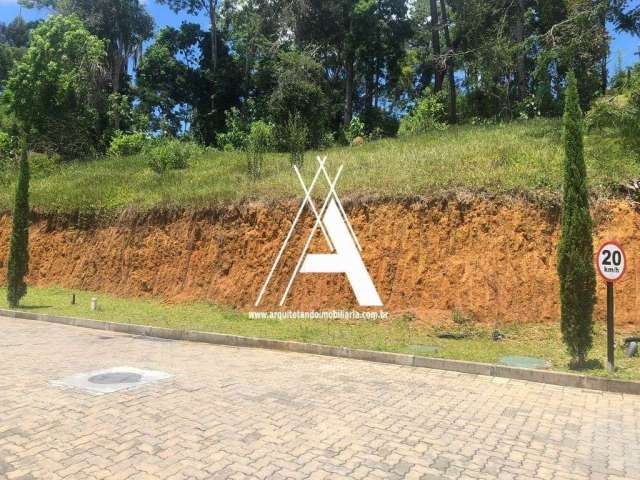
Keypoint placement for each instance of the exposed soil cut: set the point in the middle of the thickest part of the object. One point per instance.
(493, 259)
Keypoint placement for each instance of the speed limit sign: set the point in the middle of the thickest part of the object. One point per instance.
(611, 261)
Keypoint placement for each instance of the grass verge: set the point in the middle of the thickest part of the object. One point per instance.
(400, 334)
(523, 156)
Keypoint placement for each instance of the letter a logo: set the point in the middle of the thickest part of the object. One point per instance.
(341, 239)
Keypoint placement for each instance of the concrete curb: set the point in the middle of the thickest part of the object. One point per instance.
(539, 376)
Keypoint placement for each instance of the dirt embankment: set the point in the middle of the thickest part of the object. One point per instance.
(495, 259)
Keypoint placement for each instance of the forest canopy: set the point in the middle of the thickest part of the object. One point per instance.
(315, 71)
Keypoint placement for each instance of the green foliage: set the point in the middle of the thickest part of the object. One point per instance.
(427, 115)
(178, 90)
(296, 134)
(521, 158)
(18, 263)
(260, 140)
(620, 113)
(170, 154)
(575, 250)
(300, 91)
(378, 123)
(7, 145)
(237, 131)
(124, 144)
(355, 129)
(55, 90)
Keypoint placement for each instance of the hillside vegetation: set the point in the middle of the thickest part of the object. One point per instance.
(519, 157)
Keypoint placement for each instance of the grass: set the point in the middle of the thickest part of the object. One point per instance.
(400, 334)
(509, 158)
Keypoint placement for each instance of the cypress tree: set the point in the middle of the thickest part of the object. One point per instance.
(19, 249)
(575, 251)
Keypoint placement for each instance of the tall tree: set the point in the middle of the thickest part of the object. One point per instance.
(450, 65)
(435, 46)
(173, 83)
(124, 24)
(56, 90)
(18, 264)
(193, 7)
(575, 250)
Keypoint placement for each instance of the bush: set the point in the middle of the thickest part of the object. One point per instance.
(296, 135)
(124, 144)
(619, 113)
(301, 87)
(355, 129)
(259, 142)
(236, 136)
(327, 141)
(170, 154)
(378, 123)
(7, 145)
(427, 115)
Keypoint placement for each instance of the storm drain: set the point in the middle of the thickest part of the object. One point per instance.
(111, 380)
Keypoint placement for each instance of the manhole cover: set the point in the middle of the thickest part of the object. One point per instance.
(423, 349)
(523, 362)
(115, 377)
(111, 380)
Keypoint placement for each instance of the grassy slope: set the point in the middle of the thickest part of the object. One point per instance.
(399, 335)
(521, 156)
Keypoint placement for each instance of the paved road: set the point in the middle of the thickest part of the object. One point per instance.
(242, 413)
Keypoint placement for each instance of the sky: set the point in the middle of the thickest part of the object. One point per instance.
(624, 47)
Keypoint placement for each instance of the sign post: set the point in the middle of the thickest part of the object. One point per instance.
(611, 262)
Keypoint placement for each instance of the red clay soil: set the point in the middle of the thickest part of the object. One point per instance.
(492, 259)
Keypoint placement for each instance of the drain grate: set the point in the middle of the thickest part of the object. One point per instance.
(111, 380)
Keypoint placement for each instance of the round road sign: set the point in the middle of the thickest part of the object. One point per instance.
(611, 261)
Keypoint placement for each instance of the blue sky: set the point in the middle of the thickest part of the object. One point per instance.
(623, 45)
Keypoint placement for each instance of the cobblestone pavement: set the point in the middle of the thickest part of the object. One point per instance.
(243, 413)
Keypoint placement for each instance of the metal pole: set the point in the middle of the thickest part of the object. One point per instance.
(610, 336)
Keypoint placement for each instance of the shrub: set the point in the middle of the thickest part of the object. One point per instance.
(170, 154)
(259, 142)
(7, 145)
(427, 115)
(617, 113)
(327, 141)
(620, 113)
(355, 129)
(296, 134)
(124, 144)
(378, 123)
(575, 250)
(236, 135)
(301, 87)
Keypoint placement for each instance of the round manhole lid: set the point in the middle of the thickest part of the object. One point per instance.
(115, 378)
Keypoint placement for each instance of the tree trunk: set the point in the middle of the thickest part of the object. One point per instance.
(603, 66)
(520, 66)
(370, 84)
(435, 40)
(116, 75)
(213, 4)
(348, 89)
(453, 114)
